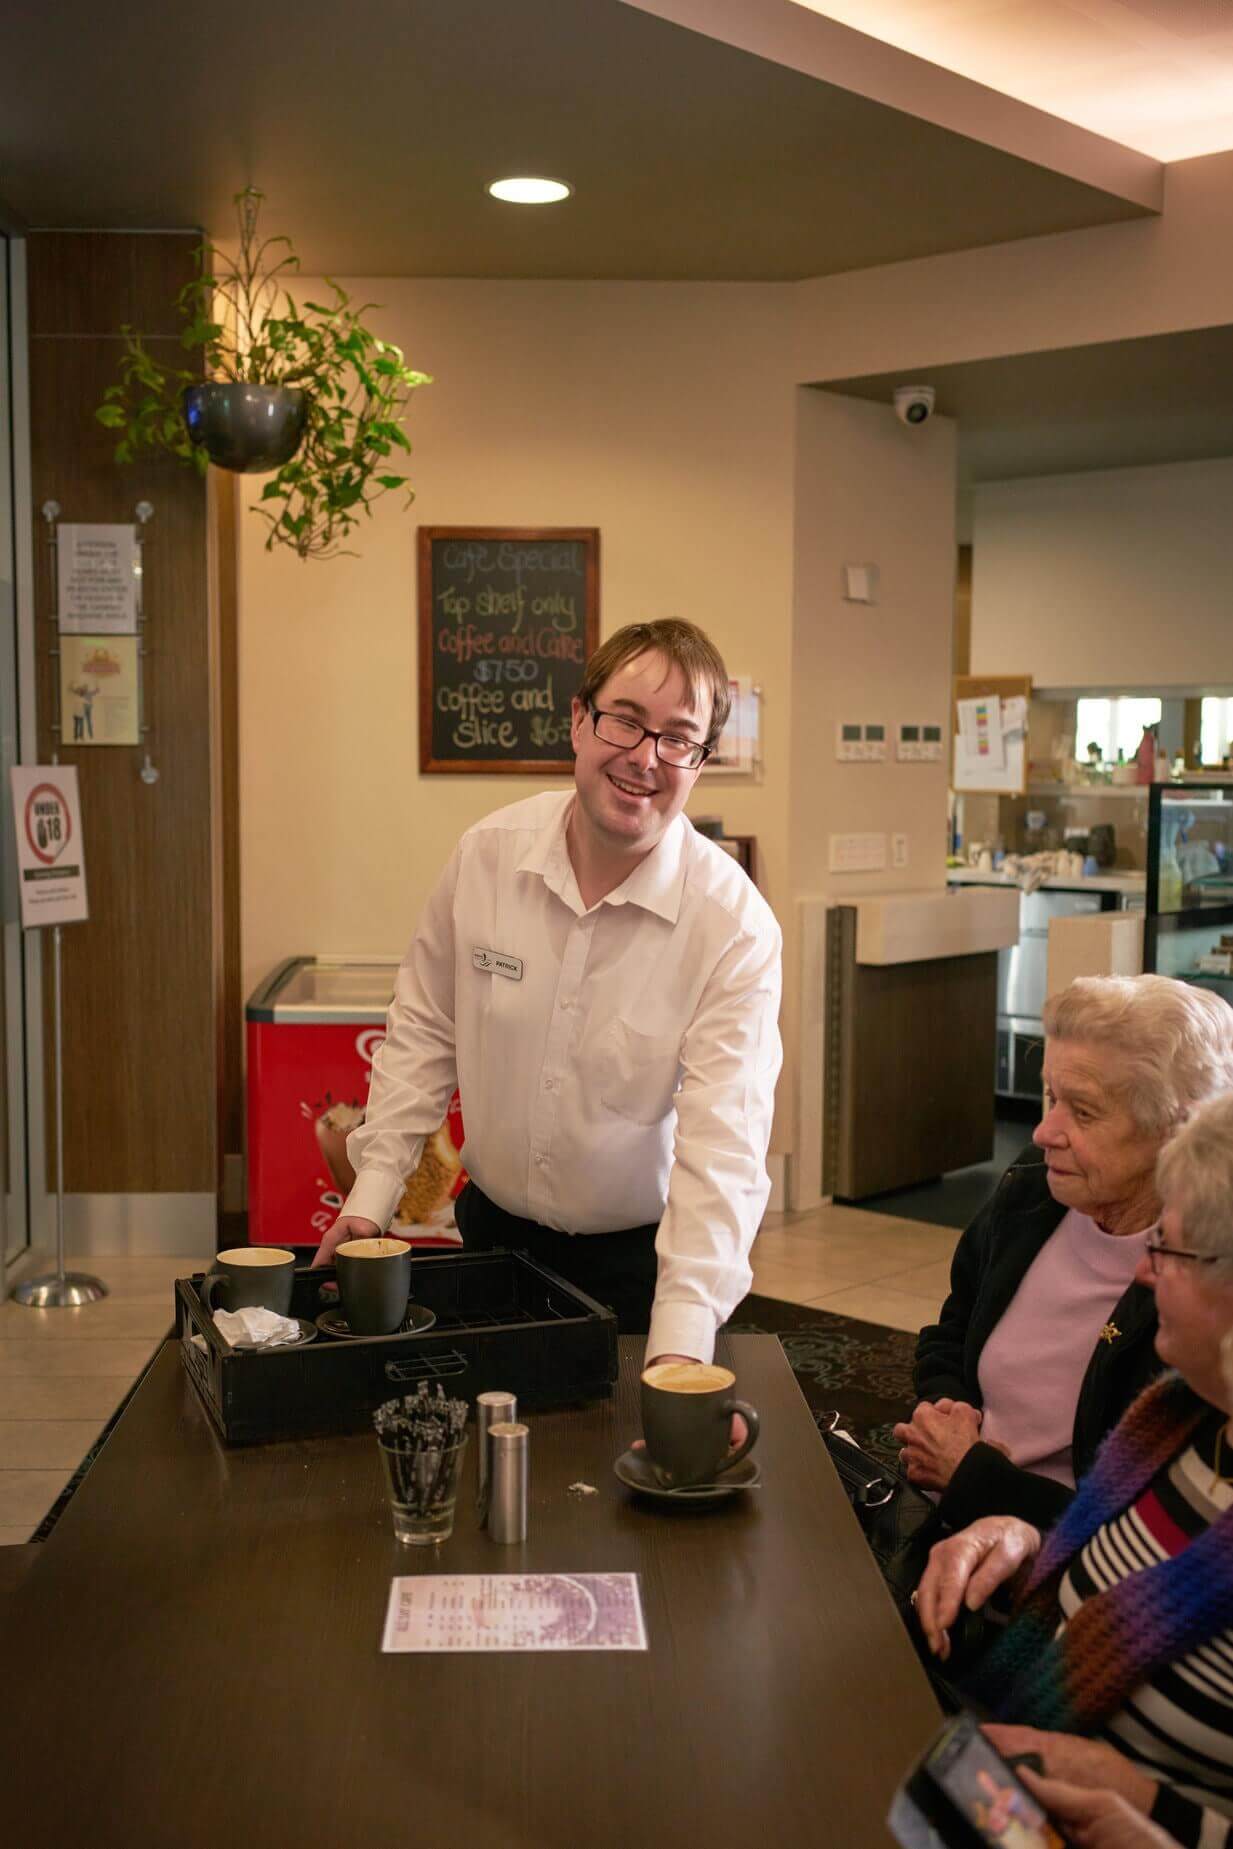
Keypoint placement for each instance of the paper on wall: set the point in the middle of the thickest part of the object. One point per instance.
(1014, 715)
(973, 772)
(98, 573)
(980, 727)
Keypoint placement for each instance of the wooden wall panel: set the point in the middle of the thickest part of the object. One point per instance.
(224, 508)
(910, 1065)
(140, 976)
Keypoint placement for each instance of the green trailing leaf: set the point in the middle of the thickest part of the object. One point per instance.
(241, 324)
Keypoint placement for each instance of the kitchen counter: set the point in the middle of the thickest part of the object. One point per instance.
(1133, 885)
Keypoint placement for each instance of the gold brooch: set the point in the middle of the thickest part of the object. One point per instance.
(1110, 1333)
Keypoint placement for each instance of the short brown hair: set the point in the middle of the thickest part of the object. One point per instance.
(684, 645)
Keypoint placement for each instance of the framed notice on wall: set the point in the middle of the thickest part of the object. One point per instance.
(508, 617)
(98, 690)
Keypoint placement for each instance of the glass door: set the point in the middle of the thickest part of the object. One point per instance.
(14, 1197)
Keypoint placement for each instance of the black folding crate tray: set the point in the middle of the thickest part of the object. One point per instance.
(503, 1321)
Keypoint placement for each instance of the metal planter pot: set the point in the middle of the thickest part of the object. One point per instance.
(249, 429)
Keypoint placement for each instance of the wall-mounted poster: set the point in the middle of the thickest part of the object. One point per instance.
(98, 690)
(508, 617)
(98, 571)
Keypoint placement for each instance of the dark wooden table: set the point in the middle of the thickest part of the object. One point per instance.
(194, 1659)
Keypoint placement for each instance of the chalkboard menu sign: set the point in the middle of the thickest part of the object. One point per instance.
(508, 617)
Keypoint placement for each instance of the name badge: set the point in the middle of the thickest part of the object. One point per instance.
(497, 963)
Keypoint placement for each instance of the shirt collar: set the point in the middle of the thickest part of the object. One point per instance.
(656, 883)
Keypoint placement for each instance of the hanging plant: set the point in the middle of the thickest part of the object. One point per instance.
(310, 392)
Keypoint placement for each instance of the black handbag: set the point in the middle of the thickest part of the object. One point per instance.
(900, 1523)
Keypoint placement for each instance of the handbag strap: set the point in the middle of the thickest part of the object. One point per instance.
(869, 1483)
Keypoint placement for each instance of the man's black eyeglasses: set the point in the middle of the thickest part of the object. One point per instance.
(1156, 1251)
(680, 753)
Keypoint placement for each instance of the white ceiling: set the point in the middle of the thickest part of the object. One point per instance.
(1156, 75)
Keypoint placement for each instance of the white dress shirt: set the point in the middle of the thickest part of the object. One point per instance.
(624, 1077)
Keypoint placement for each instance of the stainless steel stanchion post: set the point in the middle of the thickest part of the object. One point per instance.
(66, 1289)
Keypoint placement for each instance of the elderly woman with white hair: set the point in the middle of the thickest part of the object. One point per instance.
(1117, 1666)
(1046, 1338)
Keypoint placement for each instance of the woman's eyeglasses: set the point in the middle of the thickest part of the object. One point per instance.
(1157, 1252)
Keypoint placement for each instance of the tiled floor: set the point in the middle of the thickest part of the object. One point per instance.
(856, 1263)
(64, 1372)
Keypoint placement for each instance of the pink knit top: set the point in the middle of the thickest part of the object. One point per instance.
(1032, 1366)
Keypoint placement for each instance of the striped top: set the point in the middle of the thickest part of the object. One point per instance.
(1179, 1725)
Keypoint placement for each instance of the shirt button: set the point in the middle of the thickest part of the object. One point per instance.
(539, 1162)
(548, 1084)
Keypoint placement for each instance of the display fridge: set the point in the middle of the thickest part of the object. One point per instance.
(1188, 922)
(312, 1028)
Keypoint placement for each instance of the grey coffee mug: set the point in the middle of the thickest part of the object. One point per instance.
(250, 1278)
(687, 1409)
(374, 1283)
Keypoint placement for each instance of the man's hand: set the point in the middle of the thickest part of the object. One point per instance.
(934, 1440)
(966, 1569)
(347, 1226)
(739, 1432)
(1094, 1819)
(1089, 1764)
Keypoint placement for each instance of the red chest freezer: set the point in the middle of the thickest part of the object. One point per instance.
(313, 1026)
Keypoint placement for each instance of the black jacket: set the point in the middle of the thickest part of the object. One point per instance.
(989, 1265)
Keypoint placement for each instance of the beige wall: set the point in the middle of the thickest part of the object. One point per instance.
(1121, 576)
(1112, 283)
(661, 415)
(867, 490)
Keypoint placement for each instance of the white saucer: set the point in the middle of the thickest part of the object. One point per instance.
(635, 1470)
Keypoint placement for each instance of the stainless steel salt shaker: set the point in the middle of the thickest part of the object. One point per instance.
(490, 1409)
(508, 1482)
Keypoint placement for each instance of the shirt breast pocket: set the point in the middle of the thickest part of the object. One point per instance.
(639, 1072)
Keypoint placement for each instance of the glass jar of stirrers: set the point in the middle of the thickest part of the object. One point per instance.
(423, 1439)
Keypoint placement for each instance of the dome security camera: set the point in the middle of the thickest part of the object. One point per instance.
(914, 403)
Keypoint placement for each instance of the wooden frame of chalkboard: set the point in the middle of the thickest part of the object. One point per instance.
(508, 617)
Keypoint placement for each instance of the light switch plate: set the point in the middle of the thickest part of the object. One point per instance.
(857, 853)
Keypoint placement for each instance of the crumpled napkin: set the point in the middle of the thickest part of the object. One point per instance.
(256, 1328)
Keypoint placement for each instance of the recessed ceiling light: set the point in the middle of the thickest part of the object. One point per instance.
(527, 191)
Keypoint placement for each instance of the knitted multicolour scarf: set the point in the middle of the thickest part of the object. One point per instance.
(1119, 1638)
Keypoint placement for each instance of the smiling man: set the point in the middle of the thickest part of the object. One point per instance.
(602, 983)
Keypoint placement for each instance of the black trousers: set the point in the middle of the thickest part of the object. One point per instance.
(617, 1269)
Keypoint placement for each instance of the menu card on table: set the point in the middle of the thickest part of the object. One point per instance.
(515, 1611)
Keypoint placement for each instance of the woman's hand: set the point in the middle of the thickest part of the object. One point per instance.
(935, 1439)
(966, 1569)
(1094, 1819)
(1089, 1764)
